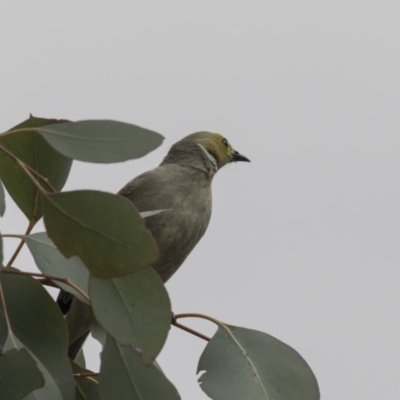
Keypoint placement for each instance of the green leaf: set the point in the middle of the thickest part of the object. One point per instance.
(19, 375)
(51, 262)
(2, 200)
(242, 364)
(95, 395)
(124, 377)
(33, 150)
(1, 252)
(37, 324)
(98, 332)
(80, 359)
(134, 309)
(85, 387)
(104, 230)
(101, 141)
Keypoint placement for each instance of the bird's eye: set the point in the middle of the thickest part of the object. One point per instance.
(225, 142)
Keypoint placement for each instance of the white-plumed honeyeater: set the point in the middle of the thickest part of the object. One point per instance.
(180, 187)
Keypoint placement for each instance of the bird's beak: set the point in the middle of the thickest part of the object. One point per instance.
(239, 157)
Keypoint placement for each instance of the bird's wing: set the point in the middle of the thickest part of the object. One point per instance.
(153, 190)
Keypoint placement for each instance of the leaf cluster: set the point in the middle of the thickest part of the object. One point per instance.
(97, 249)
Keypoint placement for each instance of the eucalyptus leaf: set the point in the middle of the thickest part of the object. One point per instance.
(101, 141)
(37, 324)
(86, 387)
(80, 359)
(95, 395)
(2, 200)
(124, 377)
(1, 252)
(134, 309)
(98, 331)
(50, 261)
(104, 230)
(240, 363)
(30, 147)
(19, 375)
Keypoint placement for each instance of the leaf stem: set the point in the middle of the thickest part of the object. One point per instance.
(208, 318)
(5, 313)
(202, 316)
(35, 129)
(174, 322)
(30, 171)
(21, 243)
(85, 374)
(51, 277)
(10, 235)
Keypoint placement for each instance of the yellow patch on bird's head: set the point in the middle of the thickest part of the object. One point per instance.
(213, 145)
(217, 146)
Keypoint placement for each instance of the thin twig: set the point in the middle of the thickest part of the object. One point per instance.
(5, 313)
(86, 374)
(32, 178)
(29, 171)
(48, 282)
(174, 322)
(202, 316)
(21, 243)
(56, 278)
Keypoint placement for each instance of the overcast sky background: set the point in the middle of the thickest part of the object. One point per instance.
(304, 241)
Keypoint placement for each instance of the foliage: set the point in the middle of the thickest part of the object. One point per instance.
(97, 248)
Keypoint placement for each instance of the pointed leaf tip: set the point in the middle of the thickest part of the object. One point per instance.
(29, 147)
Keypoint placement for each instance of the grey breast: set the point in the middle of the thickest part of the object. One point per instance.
(185, 195)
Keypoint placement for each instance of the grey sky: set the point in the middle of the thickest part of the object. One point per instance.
(304, 241)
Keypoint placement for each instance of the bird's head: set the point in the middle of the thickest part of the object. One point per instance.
(210, 149)
(218, 148)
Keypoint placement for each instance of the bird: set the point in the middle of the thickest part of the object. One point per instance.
(176, 199)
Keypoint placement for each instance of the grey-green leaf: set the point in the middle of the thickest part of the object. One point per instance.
(19, 375)
(242, 364)
(80, 359)
(135, 309)
(86, 387)
(101, 141)
(124, 377)
(2, 200)
(104, 230)
(95, 395)
(1, 251)
(33, 150)
(98, 331)
(37, 324)
(51, 262)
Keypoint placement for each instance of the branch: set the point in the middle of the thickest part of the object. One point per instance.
(21, 243)
(174, 322)
(29, 170)
(6, 317)
(202, 316)
(48, 282)
(86, 374)
(5, 313)
(55, 278)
